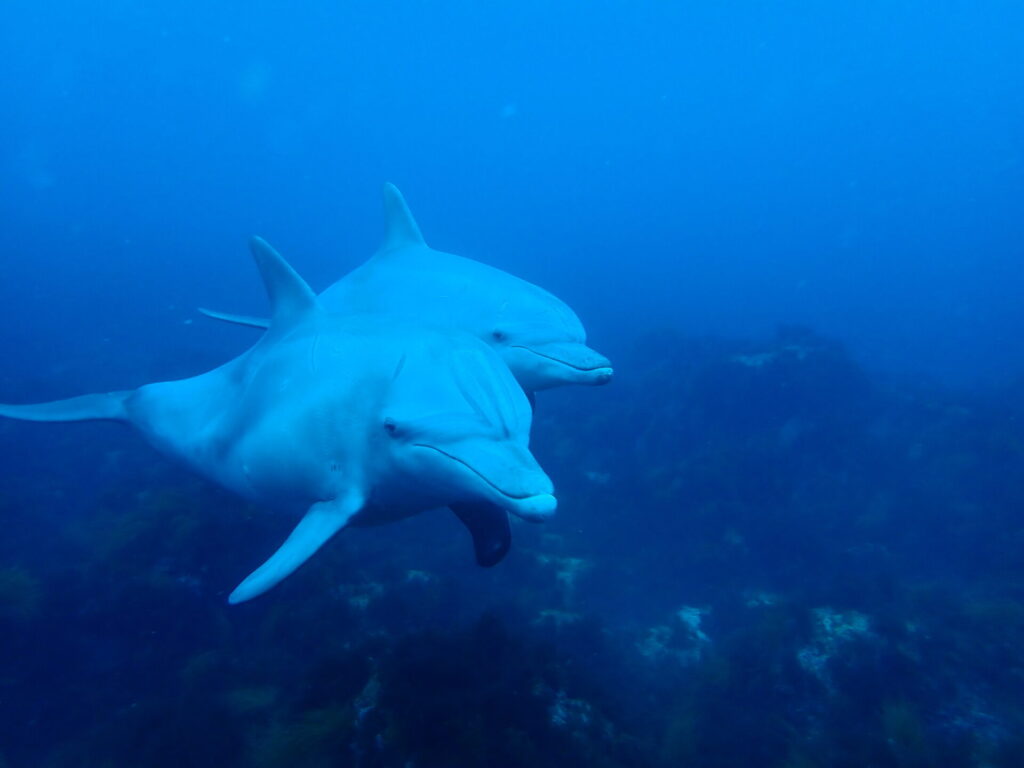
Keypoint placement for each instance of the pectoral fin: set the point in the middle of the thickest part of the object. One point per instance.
(321, 522)
(488, 525)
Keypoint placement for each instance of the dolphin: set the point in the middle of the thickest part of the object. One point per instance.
(346, 421)
(538, 335)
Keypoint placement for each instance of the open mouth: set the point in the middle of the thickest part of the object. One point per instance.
(476, 472)
(566, 363)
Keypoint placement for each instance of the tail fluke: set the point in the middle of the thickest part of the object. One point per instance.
(109, 405)
(252, 322)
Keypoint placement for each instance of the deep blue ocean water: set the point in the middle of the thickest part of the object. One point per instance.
(790, 531)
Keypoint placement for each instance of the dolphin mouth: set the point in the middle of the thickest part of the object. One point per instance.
(605, 366)
(478, 473)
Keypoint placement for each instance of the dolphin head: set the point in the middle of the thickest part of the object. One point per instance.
(539, 337)
(456, 424)
(544, 344)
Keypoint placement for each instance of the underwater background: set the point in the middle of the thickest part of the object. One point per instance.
(790, 532)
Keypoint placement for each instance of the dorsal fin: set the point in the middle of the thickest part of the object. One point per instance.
(401, 227)
(291, 299)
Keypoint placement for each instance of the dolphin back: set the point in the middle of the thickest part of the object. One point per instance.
(105, 406)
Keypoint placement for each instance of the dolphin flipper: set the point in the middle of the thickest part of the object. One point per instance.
(488, 525)
(320, 523)
(247, 320)
(108, 405)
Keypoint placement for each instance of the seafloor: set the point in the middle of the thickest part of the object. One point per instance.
(764, 556)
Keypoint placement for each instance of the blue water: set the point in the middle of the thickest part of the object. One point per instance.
(843, 518)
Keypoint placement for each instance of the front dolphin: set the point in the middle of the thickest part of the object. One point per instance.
(540, 338)
(426, 419)
(348, 421)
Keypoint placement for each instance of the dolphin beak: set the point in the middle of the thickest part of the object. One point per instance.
(506, 475)
(580, 363)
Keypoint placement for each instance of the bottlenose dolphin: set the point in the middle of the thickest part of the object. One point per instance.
(351, 420)
(538, 335)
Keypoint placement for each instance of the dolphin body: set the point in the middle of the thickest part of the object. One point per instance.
(538, 335)
(345, 420)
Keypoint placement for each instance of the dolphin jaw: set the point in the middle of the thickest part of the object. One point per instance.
(535, 506)
(600, 364)
(534, 509)
(599, 376)
(593, 368)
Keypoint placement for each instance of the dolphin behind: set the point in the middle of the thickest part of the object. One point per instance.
(538, 335)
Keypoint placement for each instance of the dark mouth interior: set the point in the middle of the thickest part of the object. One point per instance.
(471, 469)
(562, 362)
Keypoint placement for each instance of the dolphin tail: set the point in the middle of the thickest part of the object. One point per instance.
(251, 322)
(107, 406)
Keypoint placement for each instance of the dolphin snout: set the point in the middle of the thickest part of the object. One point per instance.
(570, 362)
(591, 366)
(519, 477)
(534, 497)
(505, 474)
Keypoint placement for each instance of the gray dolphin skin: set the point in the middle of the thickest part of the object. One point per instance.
(540, 338)
(345, 421)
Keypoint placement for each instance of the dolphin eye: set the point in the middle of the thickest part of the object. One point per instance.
(390, 426)
(499, 335)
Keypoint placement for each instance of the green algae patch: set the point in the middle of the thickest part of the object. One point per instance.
(317, 738)
(252, 699)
